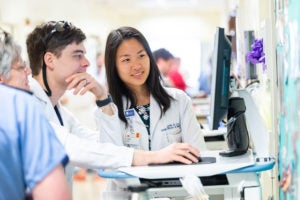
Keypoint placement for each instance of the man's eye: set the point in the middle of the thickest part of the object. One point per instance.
(78, 55)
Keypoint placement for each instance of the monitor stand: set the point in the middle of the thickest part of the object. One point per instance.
(237, 137)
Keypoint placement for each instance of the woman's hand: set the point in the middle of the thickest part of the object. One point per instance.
(180, 152)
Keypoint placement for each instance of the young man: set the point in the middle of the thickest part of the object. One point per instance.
(58, 63)
(32, 158)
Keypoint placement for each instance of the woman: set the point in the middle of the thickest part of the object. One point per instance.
(150, 117)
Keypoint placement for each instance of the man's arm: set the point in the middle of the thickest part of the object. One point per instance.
(83, 82)
(53, 186)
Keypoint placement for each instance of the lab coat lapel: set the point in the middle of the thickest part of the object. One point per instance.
(136, 118)
(154, 114)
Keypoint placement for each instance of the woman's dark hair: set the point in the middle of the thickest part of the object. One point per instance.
(117, 87)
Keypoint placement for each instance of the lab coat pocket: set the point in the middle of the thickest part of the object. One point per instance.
(174, 135)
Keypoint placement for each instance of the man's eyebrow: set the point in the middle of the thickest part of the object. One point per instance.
(78, 51)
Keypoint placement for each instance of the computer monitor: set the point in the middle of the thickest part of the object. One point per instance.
(220, 79)
(221, 104)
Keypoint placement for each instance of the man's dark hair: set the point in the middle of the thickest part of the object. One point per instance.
(53, 37)
(162, 53)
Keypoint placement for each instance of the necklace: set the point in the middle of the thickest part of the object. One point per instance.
(144, 111)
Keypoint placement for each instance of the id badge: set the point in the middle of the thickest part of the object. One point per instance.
(132, 140)
(131, 137)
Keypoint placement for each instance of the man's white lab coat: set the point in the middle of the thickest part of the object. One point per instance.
(82, 144)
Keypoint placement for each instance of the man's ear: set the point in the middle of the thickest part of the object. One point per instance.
(159, 60)
(48, 58)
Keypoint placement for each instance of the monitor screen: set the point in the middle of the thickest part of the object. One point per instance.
(220, 79)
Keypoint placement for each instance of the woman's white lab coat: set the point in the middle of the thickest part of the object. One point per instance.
(82, 144)
(178, 124)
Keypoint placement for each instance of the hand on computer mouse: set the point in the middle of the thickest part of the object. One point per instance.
(180, 152)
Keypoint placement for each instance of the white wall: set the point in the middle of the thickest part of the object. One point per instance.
(179, 28)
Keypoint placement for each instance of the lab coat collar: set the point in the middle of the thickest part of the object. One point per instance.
(46, 104)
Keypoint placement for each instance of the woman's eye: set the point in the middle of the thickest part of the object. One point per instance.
(125, 60)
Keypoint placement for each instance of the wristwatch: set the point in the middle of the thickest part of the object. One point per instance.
(104, 102)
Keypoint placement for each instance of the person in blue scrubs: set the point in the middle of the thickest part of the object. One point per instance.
(32, 158)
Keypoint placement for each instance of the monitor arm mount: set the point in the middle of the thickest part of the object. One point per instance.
(237, 134)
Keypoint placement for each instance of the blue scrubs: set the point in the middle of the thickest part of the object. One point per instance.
(29, 149)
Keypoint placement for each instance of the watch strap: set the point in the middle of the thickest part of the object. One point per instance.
(104, 102)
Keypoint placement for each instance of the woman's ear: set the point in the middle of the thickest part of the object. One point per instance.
(48, 59)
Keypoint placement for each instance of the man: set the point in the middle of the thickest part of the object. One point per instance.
(175, 76)
(100, 69)
(58, 63)
(31, 156)
(164, 60)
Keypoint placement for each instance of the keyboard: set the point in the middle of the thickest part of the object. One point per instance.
(201, 160)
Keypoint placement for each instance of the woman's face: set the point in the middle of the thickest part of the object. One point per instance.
(18, 75)
(133, 63)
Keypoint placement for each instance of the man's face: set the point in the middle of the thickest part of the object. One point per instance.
(18, 76)
(72, 60)
(165, 66)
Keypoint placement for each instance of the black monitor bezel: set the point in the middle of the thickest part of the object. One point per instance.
(220, 92)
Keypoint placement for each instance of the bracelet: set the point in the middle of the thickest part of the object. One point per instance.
(104, 102)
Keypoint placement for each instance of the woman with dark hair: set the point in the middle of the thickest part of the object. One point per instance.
(147, 115)
(150, 116)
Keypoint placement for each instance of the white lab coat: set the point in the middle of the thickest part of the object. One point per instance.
(178, 124)
(82, 144)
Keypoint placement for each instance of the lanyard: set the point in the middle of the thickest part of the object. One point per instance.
(58, 115)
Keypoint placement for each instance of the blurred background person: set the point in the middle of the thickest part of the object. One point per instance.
(168, 66)
(164, 60)
(100, 73)
(175, 76)
(205, 77)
